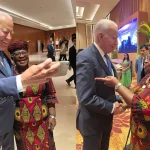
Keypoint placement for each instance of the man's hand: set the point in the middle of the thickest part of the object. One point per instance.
(52, 123)
(118, 108)
(41, 73)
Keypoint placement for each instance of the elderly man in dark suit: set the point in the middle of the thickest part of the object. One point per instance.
(97, 102)
(11, 86)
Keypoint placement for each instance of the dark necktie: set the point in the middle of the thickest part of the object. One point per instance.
(5, 62)
(108, 63)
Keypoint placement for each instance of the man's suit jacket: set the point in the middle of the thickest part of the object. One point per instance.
(72, 56)
(138, 68)
(50, 50)
(8, 93)
(95, 99)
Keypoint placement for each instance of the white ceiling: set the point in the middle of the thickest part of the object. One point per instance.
(54, 14)
(105, 6)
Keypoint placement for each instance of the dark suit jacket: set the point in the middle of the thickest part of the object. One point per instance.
(50, 50)
(8, 93)
(95, 99)
(72, 56)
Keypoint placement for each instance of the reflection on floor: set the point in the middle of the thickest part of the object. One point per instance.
(64, 132)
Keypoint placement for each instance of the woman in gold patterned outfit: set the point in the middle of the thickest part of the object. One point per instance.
(35, 110)
(139, 101)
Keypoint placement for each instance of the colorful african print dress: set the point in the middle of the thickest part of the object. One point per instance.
(140, 116)
(31, 118)
(126, 77)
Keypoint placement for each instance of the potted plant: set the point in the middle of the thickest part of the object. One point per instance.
(145, 29)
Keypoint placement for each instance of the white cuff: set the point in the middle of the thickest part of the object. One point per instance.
(113, 109)
(19, 84)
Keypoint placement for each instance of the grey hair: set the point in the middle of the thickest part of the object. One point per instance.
(3, 14)
(102, 26)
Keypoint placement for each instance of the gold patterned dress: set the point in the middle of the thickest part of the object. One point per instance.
(31, 118)
(140, 116)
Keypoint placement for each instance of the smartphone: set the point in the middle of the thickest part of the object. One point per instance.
(63, 68)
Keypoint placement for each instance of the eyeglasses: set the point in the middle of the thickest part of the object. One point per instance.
(6, 31)
(19, 53)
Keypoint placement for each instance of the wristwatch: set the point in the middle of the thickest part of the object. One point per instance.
(117, 86)
(51, 116)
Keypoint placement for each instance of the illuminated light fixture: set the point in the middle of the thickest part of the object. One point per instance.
(77, 9)
(17, 15)
(79, 12)
(96, 7)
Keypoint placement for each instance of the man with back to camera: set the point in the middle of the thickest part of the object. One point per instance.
(97, 102)
(11, 86)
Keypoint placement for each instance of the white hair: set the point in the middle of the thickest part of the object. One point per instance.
(3, 15)
(102, 26)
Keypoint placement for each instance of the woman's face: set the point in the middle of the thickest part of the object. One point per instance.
(125, 56)
(21, 58)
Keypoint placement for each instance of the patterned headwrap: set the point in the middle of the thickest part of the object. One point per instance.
(18, 45)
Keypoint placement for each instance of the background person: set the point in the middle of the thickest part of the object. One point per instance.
(139, 61)
(72, 61)
(126, 71)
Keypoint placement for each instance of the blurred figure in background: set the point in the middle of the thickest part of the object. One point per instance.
(63, 51)
(126, 71)
(35, 110)
(51, 50)
(72, 60)
(42, 46)
(139, 61)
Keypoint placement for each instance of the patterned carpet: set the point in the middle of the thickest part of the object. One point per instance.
(119, 131)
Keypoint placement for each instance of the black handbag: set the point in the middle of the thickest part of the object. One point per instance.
(127, 147)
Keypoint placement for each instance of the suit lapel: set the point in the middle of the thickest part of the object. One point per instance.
(100, 59)
(3, 70)
(10, 64)
(102, 63)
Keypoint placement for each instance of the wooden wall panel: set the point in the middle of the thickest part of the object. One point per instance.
(123, 10)
(145, 7)
(29, 34)
(81, 36)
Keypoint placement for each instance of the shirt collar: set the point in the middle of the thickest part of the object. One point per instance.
(99, 49)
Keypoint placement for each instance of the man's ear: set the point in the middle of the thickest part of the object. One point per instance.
(100, 36)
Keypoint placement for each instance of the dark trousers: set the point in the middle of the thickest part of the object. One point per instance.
(63, 56)
(97, 142)
(52, 57)
(73, 77)
(7, 141)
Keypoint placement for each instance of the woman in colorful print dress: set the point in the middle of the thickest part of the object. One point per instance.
(139, 101)
(126, 71)
(35, 110)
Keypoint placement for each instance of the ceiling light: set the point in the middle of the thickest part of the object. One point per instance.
(79, 12)
(77, 9)
(96, 7)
